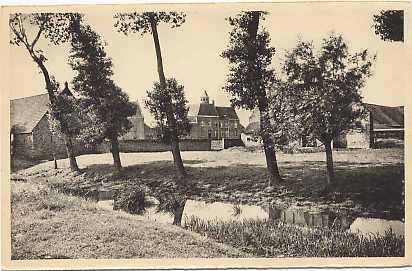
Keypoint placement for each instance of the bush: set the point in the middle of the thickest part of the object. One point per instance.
(269, 239)
(131, 200)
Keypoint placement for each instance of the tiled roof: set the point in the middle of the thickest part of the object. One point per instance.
(226, 112)
(386, 117)
(202, 109)
(26, 112)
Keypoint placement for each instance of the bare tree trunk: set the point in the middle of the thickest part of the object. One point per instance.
(270, 152)
(54, 160)
(177, 220)
(67, 140)
(70, 153)
(171, 121)
(180, 170)
(329, 164)
(115, 153)
(268, 144)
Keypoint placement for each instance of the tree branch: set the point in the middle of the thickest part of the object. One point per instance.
(38, 35)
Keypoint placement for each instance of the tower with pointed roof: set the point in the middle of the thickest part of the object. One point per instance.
(138, 128)
(213, 122)
(205, 98)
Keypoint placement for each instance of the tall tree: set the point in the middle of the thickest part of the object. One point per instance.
(326, 89)
(105, 107)
(27, 30)
(250, 76)
(161, 107)
(147, 22)
(388, 25)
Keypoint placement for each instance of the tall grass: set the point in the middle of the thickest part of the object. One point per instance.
(268, 239)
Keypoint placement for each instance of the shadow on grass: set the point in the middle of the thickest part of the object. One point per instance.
(376, 187)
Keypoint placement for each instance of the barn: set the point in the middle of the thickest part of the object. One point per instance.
(382, 123)
(30, 133)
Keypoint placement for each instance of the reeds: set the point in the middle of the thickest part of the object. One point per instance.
(268, 239)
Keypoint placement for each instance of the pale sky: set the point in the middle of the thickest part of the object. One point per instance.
(191, 52)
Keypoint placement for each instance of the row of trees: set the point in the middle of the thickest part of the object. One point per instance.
(101, 110)
(318, 93)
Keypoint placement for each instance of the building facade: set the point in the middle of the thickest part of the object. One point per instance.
(30, 133)
(137, 131)
(380, 122)
(213, 122)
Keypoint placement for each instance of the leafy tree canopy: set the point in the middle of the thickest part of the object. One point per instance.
(169, 101)
(326, 86)
(104, 107)
(136, 22)
(249, 74)
(389, 25)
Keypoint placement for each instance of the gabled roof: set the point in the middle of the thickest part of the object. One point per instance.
(386, 117)
(26, 112)
(138, 110)
(202, 109)
(226, 112)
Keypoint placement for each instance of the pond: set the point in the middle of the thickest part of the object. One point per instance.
(219, 211)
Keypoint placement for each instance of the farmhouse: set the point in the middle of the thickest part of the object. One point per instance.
(381, 122)
(213, 122)
(30, 133)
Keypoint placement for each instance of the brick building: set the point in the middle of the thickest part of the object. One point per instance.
(213, 122)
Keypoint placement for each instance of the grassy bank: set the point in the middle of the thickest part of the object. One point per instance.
(47, 224)
(368, 182)
(268, 239)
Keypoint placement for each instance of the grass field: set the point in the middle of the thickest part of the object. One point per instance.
(47, 224)
(368, 181)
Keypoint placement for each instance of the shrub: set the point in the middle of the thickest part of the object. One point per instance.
(131, 200)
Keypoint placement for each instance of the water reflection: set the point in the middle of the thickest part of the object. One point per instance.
(224, 212)
(376, 225)
(310, 218)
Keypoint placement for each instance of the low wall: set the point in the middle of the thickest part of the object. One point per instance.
(228, 143)
(137, 145)
(40, 153)
(150, 145)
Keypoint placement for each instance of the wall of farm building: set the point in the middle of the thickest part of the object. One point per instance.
(150, 145)
(41, 143)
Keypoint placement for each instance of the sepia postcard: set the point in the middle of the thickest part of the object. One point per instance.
(209, 135)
